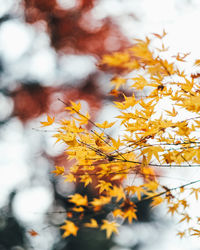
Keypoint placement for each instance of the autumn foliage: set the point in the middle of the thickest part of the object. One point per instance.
(150, 137)
(72, 31)
(76, 30)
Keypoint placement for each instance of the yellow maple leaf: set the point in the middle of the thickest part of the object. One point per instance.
(181, 234)
(74, 108)
(139, 82)
(118, 82)
(118, 212)
(152, 185)
(184, 203)
(196, 232)
(117, 192)
(59, 171)
(79, 200)
(130, 214)
(163, 49)
(186, 217)
(195, 191)
(110, 227)
(104, 186)
(129, 102)
(135, 189)
(70, 178)
(78, 209)
(150, 151)
(67, 137)
(49, 121)
(83, 119)
(118, 59)
(181, 57)
(86, 179)
(156, 201)
(92, 224)
(197, 62)
(147, 105)
(173, 113)
(160, 36)
(105, 124)
(69, 228)
(101, 201)
(173, 208)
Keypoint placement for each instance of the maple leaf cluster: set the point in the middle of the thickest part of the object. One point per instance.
(152, 137)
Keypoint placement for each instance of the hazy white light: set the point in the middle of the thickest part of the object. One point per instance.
(125, 238)
(31, 204)
(115, 8)
(11, 176)
(159, 10)
(15, 39)
(5, 107)
(5, 6)
(42, 65)
(66, 4)
(76, 67)
(183, 34)
(12, 166)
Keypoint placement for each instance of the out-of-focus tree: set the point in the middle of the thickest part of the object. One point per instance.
(76, 29)
(151, 136)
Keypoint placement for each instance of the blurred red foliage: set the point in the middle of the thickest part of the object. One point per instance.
(73, 30)
(76, 30)
(31, 99)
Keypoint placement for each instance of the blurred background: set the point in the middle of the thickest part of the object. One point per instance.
(50, 49)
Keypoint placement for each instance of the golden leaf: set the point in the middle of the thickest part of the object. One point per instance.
(49, 121)
(110, 227)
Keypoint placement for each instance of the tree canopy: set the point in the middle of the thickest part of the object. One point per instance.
(152, 136)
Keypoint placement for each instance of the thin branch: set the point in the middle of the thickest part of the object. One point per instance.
(169, 190)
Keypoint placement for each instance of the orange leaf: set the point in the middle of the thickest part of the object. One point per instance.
(33, 233)
(49, 122)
